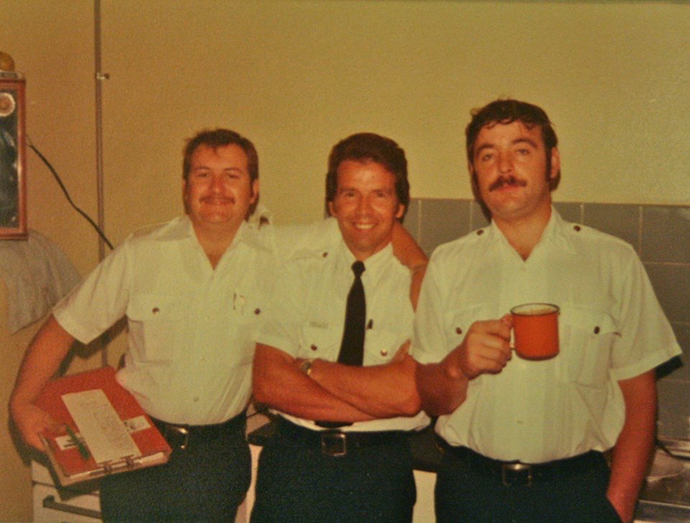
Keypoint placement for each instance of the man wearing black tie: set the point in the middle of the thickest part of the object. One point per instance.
(332, 358)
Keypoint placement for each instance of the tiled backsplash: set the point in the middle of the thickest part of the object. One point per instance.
(659, 234)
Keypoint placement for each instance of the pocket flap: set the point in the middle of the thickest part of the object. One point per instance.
(146, 307)
(591, 320)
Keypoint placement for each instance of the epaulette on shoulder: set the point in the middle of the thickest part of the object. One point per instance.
(146, 230)
(591, 234)
(478, 233)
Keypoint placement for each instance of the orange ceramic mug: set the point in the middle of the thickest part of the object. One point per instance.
(536, 330)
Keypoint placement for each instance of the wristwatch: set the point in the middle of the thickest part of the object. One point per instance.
(305, 366)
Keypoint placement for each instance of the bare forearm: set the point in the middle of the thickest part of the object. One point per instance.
(635, 444)
(42, 359)
(406, 249)
(440, 392)
(383, 391)
(280, 384)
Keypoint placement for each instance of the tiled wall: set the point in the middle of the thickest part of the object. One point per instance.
(661, 237)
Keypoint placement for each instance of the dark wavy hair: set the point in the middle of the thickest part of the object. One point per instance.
(220, 138)
(369, 147)
(215, 139)
(509, 111)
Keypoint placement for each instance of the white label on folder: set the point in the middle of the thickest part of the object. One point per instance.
(132, 425)
(100, 426)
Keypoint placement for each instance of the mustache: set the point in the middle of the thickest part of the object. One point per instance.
(212, 197)
(506, 180)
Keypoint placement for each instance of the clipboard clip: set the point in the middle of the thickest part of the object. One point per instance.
(126, 463)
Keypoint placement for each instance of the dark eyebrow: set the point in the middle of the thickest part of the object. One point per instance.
(528, 141)
(517, 141)
(207, 168)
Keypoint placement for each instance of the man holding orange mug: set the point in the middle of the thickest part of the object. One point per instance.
(524, 434)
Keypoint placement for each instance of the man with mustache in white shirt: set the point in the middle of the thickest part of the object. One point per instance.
(524, 440)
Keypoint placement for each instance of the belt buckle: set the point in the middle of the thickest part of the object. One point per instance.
(334, 444)
(182, 431)
(517, 468)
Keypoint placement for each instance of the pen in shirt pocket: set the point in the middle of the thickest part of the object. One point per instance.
(238, 301)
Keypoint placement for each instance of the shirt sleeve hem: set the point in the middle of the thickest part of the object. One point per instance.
(642, 366)
(72, 326)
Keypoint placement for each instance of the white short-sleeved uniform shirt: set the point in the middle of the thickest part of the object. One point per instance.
(191, 328)
(611, 327)
(306, 316)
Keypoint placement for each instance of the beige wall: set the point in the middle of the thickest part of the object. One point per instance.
(52, 45)
(296, 76)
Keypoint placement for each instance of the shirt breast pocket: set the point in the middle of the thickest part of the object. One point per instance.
(458, 322)
(156, 320)
(381, 346)
(586, 337)
(319, 341)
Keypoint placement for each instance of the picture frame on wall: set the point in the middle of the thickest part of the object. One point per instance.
(12, 157)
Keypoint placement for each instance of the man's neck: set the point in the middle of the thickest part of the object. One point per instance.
(214, 240)
(524, 234)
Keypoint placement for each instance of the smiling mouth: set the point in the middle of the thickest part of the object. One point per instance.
(506, 181)
(363, 226)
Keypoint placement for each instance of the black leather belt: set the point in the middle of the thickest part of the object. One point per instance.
(517, 473)
(182, 436)
(336, 443)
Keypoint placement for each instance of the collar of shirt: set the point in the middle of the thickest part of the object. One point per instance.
(375, 265)
(556, 233)
(260, 217)
(181, 229)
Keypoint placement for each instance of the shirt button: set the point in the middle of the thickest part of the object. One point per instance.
(577, 228)
(596, 330)
(458, 330)
(324, 255)
(155, 310)
(257, 311)
(384, 352)
(480, 232)
(313, 347)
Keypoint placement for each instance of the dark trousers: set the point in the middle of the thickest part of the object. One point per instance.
(465, 494)
(298, 483)
(205, 482)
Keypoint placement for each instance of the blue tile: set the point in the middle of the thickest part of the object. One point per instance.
(442, 221)
(477, 217)
(569, 211)
(666, 234)
(672, 286)
(622, 221)
(674, 408)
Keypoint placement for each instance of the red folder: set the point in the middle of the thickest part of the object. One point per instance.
(75, 464)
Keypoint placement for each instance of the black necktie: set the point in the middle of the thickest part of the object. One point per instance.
(352, 346)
